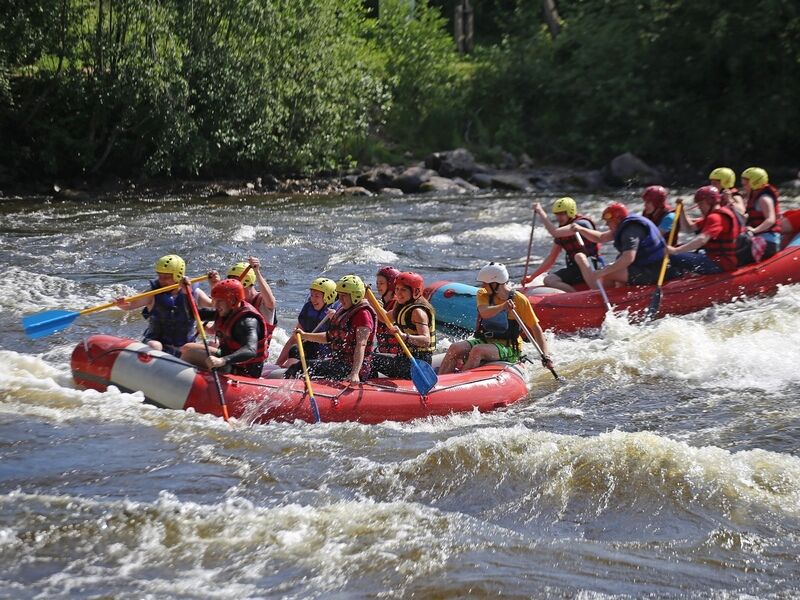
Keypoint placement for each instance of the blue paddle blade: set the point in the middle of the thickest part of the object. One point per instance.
(655, 305)
(45, 323)
(423, 376)
(314, 409)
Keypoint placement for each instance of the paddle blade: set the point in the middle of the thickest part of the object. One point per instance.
(655, 304)
(45, 323)
(314, 409)
(423, 376)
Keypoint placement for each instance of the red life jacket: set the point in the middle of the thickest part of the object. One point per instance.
(572, 247)
(754, 216)
(387, 342)
(223, 327)
(722, 249)
(342, 337)
(258, 302)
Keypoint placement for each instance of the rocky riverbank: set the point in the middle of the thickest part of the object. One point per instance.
(450, 172)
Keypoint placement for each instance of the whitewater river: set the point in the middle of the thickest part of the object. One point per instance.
(666, 465)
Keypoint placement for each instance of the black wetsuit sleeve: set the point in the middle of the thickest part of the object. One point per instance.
(207, 314)
(246, 333)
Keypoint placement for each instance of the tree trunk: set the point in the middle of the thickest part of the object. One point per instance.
(551, 17)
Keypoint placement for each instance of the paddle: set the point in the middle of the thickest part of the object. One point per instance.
(422, 374)
(50, 321)
(302, 352)
(201, 330)
(599, 281)
(533, 341)
(530, 247)
(655, 302)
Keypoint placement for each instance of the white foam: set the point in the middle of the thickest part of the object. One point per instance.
(363, 255)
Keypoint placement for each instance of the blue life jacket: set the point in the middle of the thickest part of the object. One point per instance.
(309, 318)
(170, 320)
(651, 248)
(499, 327)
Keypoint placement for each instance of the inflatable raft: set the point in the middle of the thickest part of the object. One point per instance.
(572, 312)
(169, 382)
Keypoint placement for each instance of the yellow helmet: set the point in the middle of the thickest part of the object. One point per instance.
(352, 284)
(725, 176)
(327, 287)
(173, 264)
(757, 177)
(235, 272)
(566, 205)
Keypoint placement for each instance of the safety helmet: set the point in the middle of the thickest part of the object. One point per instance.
(655, 194)
(235, 272)
(173, 264)
(725, 176)
(229, 290)
(352, 284)
(411, 280)
(615, 211)
(493, 273)
(327, 287)
(389, 273)
(707, 193)
(757, 177)
(565, 205)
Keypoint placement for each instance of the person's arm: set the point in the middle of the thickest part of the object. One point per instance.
(263, 286)
(320, 338)
(487, 311)
(698, 242)
(537, 208)
(525, 311)
(422, 337)
(592, 234)
(362, 335)
(545, 266)
(290, 343)
(623, 262)
(147, 302)
(687, 222)
(202, 299)
(767, 206)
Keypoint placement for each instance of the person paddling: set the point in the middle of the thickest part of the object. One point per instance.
(657, 209)
(415, 321)
(385, 284)
(170, 320)
(350, 335)
(639, 243)
(497, 335)
(724, 179)
(241, 333)
(321, 303)
(577, 255)
(262, 298)
(718, 230)
(761, 237)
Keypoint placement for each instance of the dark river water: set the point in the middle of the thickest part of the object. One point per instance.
(666, 465)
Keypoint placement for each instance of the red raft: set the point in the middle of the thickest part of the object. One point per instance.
(168, 382)
(572, 312)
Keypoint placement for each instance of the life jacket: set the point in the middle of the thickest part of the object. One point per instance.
(754, 216)
(309, 319)
(722, 249)
(223, 327)
(651, 248)
(171, 321)
(572, 247)
(257, 303)
(409, 327)
(387, 342)
(658, 215)
(498, 328)
(342, 337)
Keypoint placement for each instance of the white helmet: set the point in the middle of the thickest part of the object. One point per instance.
(493, 273)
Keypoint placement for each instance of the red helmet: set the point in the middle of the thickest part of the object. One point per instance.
(615, 211)
(389, 273)
(655, 194)
(709, 193)
(230, 290)
(413, 281)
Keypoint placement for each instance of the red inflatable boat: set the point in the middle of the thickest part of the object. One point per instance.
(572, 312)
(166, 381)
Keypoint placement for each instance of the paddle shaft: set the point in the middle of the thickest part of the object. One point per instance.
(202, 331)
(670, 240)
(530, 247)
(155, 292)
(599, 281)
(309, 389)
(533, 340)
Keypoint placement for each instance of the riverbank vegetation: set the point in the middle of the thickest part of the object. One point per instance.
(94, 88)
